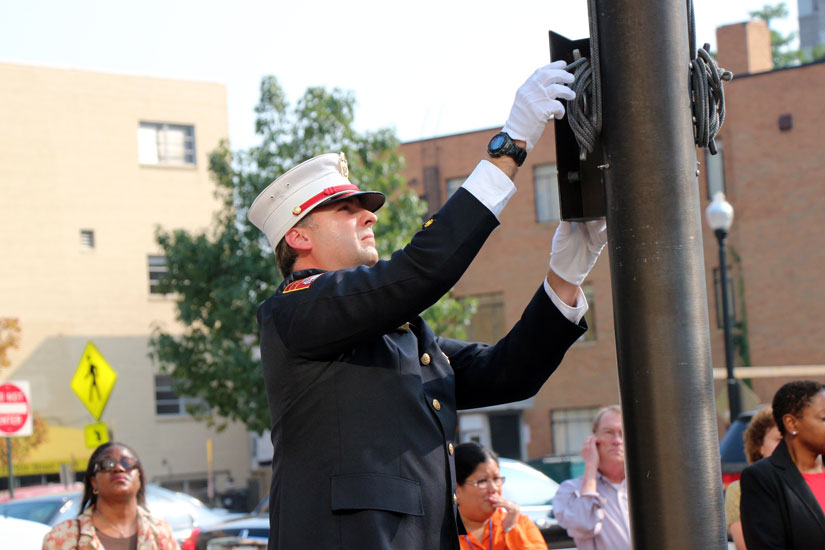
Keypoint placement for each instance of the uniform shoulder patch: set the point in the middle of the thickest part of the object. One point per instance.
(303, 284)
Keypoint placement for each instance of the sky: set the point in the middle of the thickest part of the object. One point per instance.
(425, 68)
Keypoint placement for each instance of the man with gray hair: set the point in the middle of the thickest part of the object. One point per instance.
(593, 507)
(362, 395)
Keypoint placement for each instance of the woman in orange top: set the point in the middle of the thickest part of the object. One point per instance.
(492, 521)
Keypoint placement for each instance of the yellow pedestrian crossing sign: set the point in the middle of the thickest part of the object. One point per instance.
(93, 380)
(96, 434)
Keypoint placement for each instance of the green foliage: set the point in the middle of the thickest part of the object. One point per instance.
(9, 338)
(219, 277)
(741, 342)
(783, 55)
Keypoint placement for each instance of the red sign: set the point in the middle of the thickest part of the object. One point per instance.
(15, 409)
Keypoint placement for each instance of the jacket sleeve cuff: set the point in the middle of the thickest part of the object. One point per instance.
(490, 186)
(573, 314)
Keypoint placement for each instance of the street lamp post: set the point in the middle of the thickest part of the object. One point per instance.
(719, 215)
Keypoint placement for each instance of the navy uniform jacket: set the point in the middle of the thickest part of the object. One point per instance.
(363, 405)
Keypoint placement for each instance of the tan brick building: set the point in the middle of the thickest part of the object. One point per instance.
(773, 178)
(90, 165)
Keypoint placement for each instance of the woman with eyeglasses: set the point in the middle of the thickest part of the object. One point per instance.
(112, 513)
(492, 522)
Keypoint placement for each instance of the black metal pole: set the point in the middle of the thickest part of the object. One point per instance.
(734, 400)
(658, 277)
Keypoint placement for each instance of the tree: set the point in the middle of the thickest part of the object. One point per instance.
(219, 277)
(783, 55)
(9, 338)
(22, 446)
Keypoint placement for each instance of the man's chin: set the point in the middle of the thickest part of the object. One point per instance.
(371, 257)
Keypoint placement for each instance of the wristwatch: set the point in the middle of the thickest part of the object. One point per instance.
(503, 144)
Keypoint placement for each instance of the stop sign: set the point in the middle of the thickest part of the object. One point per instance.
(15, 409)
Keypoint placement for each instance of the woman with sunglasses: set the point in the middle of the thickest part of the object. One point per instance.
(492, 522)
(112, 513)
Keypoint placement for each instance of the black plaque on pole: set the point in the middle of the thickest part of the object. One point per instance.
(581, 186)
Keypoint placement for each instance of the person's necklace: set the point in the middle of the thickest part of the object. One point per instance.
(112, 525)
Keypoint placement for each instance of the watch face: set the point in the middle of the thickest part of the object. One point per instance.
(497, 142)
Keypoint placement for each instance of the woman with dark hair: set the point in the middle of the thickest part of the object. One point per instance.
(492, 522)
(112, 513)
(761, 438)
(783, 495)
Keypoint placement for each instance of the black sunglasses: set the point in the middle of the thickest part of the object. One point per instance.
(107, 465)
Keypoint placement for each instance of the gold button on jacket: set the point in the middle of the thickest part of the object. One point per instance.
(437, 404)
(425, 359)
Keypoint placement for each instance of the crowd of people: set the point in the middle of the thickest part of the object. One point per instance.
(363, 397)
(778, 503)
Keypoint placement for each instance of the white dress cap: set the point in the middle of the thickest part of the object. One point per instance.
(288, 199)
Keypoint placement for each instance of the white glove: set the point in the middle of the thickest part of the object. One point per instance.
(536, 102)
(576, 247)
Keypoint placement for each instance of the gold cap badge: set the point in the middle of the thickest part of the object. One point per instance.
(342, 165)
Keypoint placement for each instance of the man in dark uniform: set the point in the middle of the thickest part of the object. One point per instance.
(362, 395)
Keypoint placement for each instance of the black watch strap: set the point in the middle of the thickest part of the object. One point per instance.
(503, 144)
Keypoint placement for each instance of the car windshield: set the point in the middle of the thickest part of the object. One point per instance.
(526, 486)
(42, 511)
(181, 511)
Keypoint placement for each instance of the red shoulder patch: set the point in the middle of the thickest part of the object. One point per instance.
(303, 284)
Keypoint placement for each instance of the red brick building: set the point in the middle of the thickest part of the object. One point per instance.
(772, 167)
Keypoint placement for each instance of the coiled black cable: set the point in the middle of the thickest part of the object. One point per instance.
(707, 90)
(584, 114)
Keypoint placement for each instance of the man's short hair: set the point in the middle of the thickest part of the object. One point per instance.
(285, 255)
(601, 412)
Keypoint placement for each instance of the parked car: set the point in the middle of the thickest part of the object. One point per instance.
(530, 489)
(533, 492)
(37, 490)
(21, 534)
(732, 448)
(183, 512)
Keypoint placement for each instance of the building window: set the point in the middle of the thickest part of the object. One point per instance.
(717, 292)
(547, 193)
(590, 316)
(570, 428)
(166, 144)
(168, 402)
(157, 269)
(488, 322)
(715, 170)
(87, 239)
(453, 184)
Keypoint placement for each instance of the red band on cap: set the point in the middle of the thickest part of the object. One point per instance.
(324, 194)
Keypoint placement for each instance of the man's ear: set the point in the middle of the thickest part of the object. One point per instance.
(299, 238)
